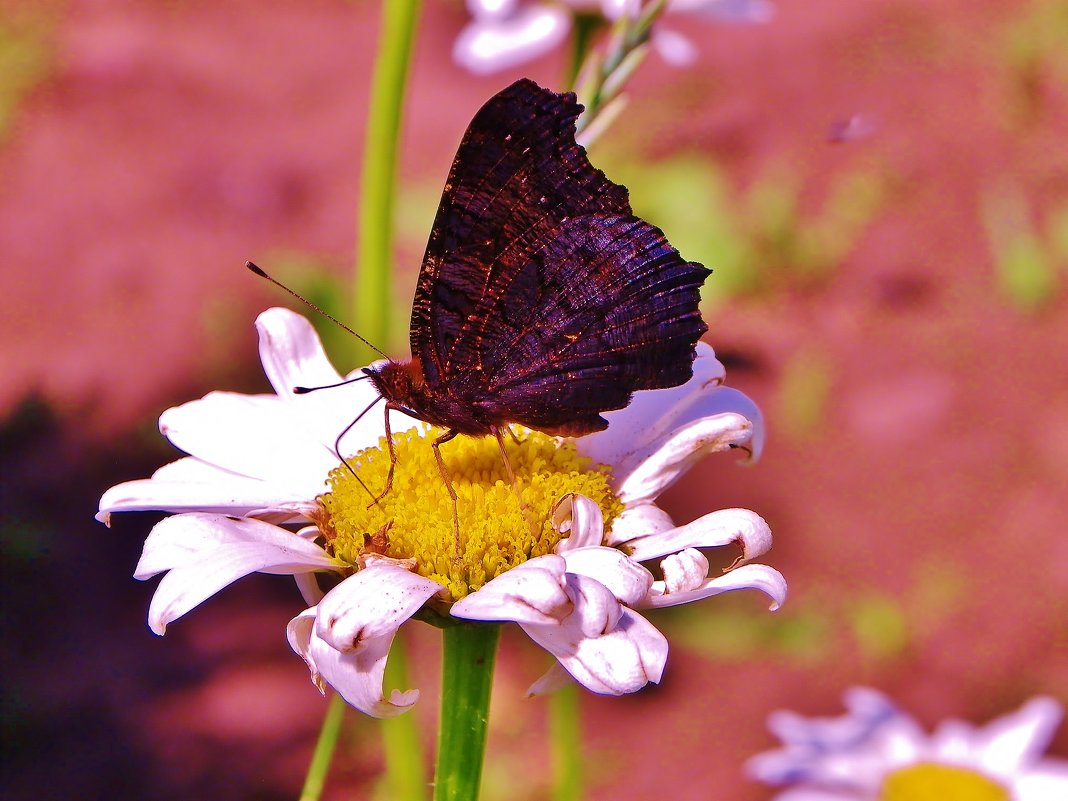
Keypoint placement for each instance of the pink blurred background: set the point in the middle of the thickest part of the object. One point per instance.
(894, 302)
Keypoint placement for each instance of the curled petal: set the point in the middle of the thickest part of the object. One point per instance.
(581, 519)
(627, 580)
(531, 593)
(205, 553)
(684, 571)
(680, 452)
(715, 529)
(636, 430)
(640, 520)
(619, 661)
(356, 675)
(747, 577)
(495, 43)
(552, 680)
(371, 604)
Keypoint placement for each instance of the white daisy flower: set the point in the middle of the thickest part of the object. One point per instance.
(507, 33)
(561, 552)
(876, 752)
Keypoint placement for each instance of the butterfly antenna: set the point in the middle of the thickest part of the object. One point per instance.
(259, 271)
(306, 390)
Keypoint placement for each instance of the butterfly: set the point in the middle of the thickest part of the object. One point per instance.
(542, 300)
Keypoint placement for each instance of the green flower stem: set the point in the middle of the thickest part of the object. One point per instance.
(466, 678)
(565, 743)
(373, 299)
(405, 775)
(324, 750)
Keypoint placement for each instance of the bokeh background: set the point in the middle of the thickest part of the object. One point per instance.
(882, 191)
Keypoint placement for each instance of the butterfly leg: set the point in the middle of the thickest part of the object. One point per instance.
(511, 473)
(392, 460)
(448, 485)
(344, 461)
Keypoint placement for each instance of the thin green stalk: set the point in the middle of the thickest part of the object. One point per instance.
(373, 299)
(565, 740)
(324, 750)
(405, 776)
(583, 28)
(468, 654)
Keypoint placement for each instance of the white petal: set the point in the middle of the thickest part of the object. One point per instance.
(744, 12)
(197, 486)
(255, 436)
(491, 8)
(580, 519)
(291, 352)
(684, 571)
(371, 604)
(493, 44)
(747, 577)
(713, 530)
(1010, 743)
(356, 675)
(621, 660)
(637, 429)
(205, 553)
(293, 356)
(552, 680)
(675, 48)
(1049, 780)
(628, 581)
(190, 539)
(681, 451)
(639, 520)
(532, 592)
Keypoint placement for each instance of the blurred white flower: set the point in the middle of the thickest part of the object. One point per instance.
(876, 752)
(506, 33)
(258, 462)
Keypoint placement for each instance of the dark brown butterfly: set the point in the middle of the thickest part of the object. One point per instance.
(542, 299)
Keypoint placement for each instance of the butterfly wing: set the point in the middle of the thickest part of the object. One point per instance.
(603, 307)
(518, 174)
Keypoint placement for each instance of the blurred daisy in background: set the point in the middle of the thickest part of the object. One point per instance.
(507, 33)
(877, 752)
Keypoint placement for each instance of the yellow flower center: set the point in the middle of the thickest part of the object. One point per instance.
(500, 525)
(931, 782)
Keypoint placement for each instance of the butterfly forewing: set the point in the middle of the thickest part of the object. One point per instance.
(517, 175)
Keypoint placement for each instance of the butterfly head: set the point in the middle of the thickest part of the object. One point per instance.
(400, 383)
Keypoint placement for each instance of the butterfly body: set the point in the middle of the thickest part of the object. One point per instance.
(542, 300)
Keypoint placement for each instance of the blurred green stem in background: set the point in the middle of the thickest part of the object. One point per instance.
(373, 296)
(324, 750)
(468, 654)
(405, 776)
(565, 740)
(599, 81)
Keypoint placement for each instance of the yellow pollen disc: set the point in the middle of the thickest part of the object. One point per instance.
(501, 525)
(931, 782)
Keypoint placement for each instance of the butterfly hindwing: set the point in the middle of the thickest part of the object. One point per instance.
(602, 308)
